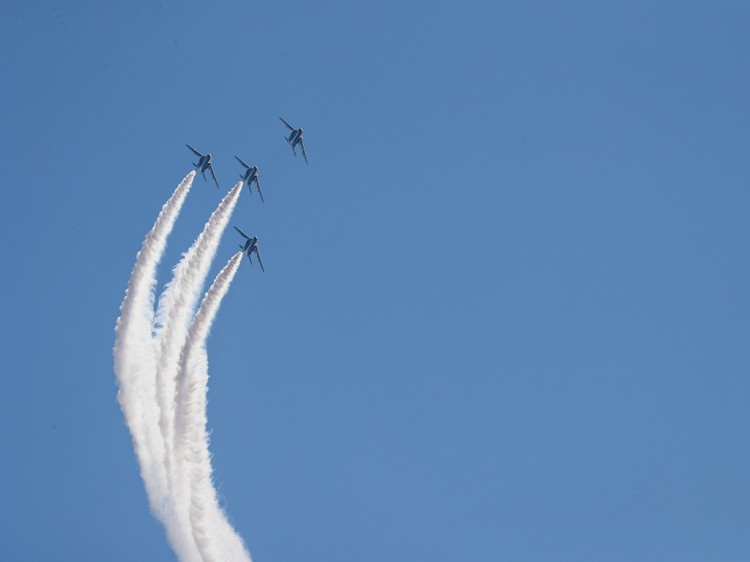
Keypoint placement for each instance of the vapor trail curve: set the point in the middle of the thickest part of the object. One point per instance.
(174, 313)
(214, 536)
(134, 357)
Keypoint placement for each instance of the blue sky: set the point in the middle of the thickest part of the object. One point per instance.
(505, 313)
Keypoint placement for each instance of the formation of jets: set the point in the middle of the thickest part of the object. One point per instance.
(250, 175)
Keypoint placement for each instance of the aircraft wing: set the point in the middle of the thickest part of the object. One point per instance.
(241, 162)
(242, 233)
(214, 176)
(198, 154)
(257, 182)
(287, 124)
(304, 152)
(260, 261)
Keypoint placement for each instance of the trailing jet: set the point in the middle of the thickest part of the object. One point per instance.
(250, 176)
(295, 138)
(250, 246)
(204, 163)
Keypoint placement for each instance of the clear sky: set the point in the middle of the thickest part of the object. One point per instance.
(505, 308)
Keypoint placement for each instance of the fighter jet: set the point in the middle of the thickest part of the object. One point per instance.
(295, 138)
(204, 163)
(250, 176)
(250, 246)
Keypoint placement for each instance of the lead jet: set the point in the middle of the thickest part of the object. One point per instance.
(250, 176)
(295, 138)
(250, 246)
(204, 163)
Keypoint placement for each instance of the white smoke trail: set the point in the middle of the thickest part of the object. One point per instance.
(151, 351)
(175, 310)
(135, 360)
(214, 536)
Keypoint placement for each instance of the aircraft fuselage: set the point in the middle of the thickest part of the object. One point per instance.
(251, 174)
(204, 162)
(295, 137)
(250, 246)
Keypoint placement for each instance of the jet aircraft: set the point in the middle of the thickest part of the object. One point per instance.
(295, 138)
(250, 246)
(204, 163)
(250, 176)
